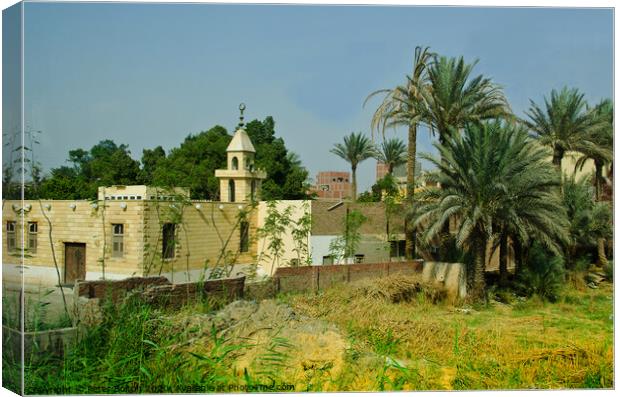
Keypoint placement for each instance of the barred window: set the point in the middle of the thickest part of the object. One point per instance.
(33, 232)
(118, 244)
(244, 236)
(10, 235)
(168, 241)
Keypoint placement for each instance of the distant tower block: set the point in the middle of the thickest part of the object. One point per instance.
(241, 181)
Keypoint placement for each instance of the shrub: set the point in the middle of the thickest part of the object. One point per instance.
(543, 274)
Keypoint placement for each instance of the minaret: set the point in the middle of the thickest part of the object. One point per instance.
(241, 181)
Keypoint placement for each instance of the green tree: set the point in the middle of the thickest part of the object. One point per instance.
(150, 162)
(356, 148)
(104, 164)
(484, 173)
(598, 147)
(286, 177)
(193, 163)
(564, 124)
(455, 98)
(392, 153)
(405, 105)
(529, 208)
(589, 220)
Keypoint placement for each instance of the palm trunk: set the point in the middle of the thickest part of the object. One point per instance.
(479, 282)
(503, 260)
(411, 155)
(518, 249)
(558, 153)
(354, 183)
(600, 242)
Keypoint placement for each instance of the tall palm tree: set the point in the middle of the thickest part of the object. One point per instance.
(392, 153)
(483, 174)
(564, 124)
(404, 106)
(598, 147)
(356, 148)
(455, 98)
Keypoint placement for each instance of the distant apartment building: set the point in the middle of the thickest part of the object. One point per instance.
(333, 185)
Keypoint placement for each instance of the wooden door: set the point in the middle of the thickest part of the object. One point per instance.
(75, 262)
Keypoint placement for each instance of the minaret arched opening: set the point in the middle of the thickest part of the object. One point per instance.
(234, 163)
(231, 190)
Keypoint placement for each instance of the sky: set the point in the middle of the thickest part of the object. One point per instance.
(150, 74)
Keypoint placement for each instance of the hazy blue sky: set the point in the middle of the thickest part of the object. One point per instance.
(150, 74)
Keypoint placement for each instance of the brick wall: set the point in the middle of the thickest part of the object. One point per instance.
(293, 279)
(159, 291)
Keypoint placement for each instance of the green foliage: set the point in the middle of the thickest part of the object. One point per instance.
(456, 98)
(192, 164)
(589, 220)
(356, 148)
(286, 177)
(565, 123)
(543, 274)
(345, 245)
(105, 164)
(384, 187)
(492, 172)
(392, 153)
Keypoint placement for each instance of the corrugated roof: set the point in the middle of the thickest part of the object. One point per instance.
(241, 142)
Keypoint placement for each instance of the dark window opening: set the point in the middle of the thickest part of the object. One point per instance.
(10, 235)
(33, 230)
(397, 248)
(168, 240)
(328, 260)
(244, 236)
(359, 258)
(231, 191)
(234, 164)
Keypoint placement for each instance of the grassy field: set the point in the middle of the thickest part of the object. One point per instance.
(527, 344)
(351, 337)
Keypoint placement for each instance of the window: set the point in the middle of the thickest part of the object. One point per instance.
(10, 235)
(168, 241)
(231, 191)
(359, 258)
(253, 190)
(328, 260)
(33, 231)
(397, 248)
(234, 164)
(244, 236)
(118, 245)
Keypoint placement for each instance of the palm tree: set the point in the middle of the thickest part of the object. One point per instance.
(404, 106)
(487, 173)
(455, 98)
(392, 153)
(356, 148)
(564, 124)
(530, 208)
(598, 147)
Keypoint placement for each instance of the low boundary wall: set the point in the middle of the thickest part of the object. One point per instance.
(314, 278)
(159, 291)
